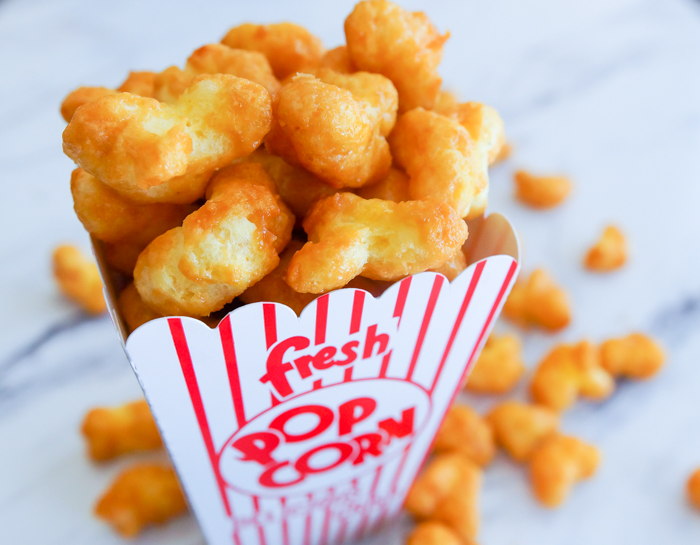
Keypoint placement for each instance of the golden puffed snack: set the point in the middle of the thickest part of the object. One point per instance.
(122, 256)
(405, 47)
(568, 371)
(393, 187)
(453, 266)
(538, 301)
(380, 240)
(636, 356)
(113, 431)
(299, 189)
(558, 463)
(142, 495)
(609, 253)
(433, 533)
(126, 140)
(289, 48)
(499, 367)
(464, 431)
(541, 191)
(447, 492)
(693, 489)
(132, 308)
(335, 129)
(235, 237)
(520, 427)
(338, 59)
(78, 279)
(503, 155)
(443, 162)
(113, 218)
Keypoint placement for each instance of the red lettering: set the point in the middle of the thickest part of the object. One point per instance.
(303, 364)
(257, 447)
(324, 359)
(372, 338)
(325, 419)
(344, 452)
(368, 443)
(348, 414)
(267, 478)
(349, 351)
(399, 429)
(277, 369)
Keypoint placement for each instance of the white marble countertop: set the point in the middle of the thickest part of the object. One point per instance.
(607, 91)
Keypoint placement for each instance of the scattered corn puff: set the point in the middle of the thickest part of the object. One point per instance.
(569, 371)
(113, 431)
(78, 279)
(467, 433)
(433, 533)
(447, 492)
(557, 464)
(693, 489)
(609, 253)
(538, 301)
(132, 308)
(498, 368)
(520, 427)
(636, 356)
(140, 496)
(541, 191)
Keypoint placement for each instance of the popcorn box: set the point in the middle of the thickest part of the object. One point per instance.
(310, 430)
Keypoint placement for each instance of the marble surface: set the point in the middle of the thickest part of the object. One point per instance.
(607, 91)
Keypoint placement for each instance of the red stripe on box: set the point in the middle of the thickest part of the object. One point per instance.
(361, 527)
(321, 319)
(285, 524)
(318, 384)
(358, 303)
(270, 324)
(401, 298)
(458, 322)
(347, 375)
(342, 530)
(261, 530)
(234, 378)
(183, 354)
(327, 515)
(399, 470)
(385, 364)
(432, 301)
(307, 523)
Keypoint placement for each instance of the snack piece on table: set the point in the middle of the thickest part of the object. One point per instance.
(464, 431)
(538, 301)
(499, 367)
(122, 256)
(113, 218)
(693, 489)
(520, 427)
(380, 240)
(609, 253)
(540, 191)
(403, 46)
(393, 187)
(128, 141)
(505, 152)
(289, 48)
(132, 308)
(433, 533)
(236, 236)
(557, 463)
(453, 266)
(142, 495)
(447, 492)
(78, 279)
(337, 133)
(113, 431)
(568, 371)
(338, 59)
(636, 356)
(442, 160)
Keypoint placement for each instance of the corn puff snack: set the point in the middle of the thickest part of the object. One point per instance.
(636, 356)
(447, 492)
(609, 253)
(393, 187)
(541, 191)
(465, 432)
(78, 279)
(433, 533)
(569, 371)
(538, 301)
(693, 489)
(140, 496)
(405, 47)
(289, 48)
(442, 160)
(520, 427)
(499, 367)
(338, 59)
(453, 266)
(380, 240)
(122, 256)
(557, 464)
(114, 431)
(132, 308)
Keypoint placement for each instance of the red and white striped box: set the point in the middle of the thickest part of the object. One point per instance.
(309, 430)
